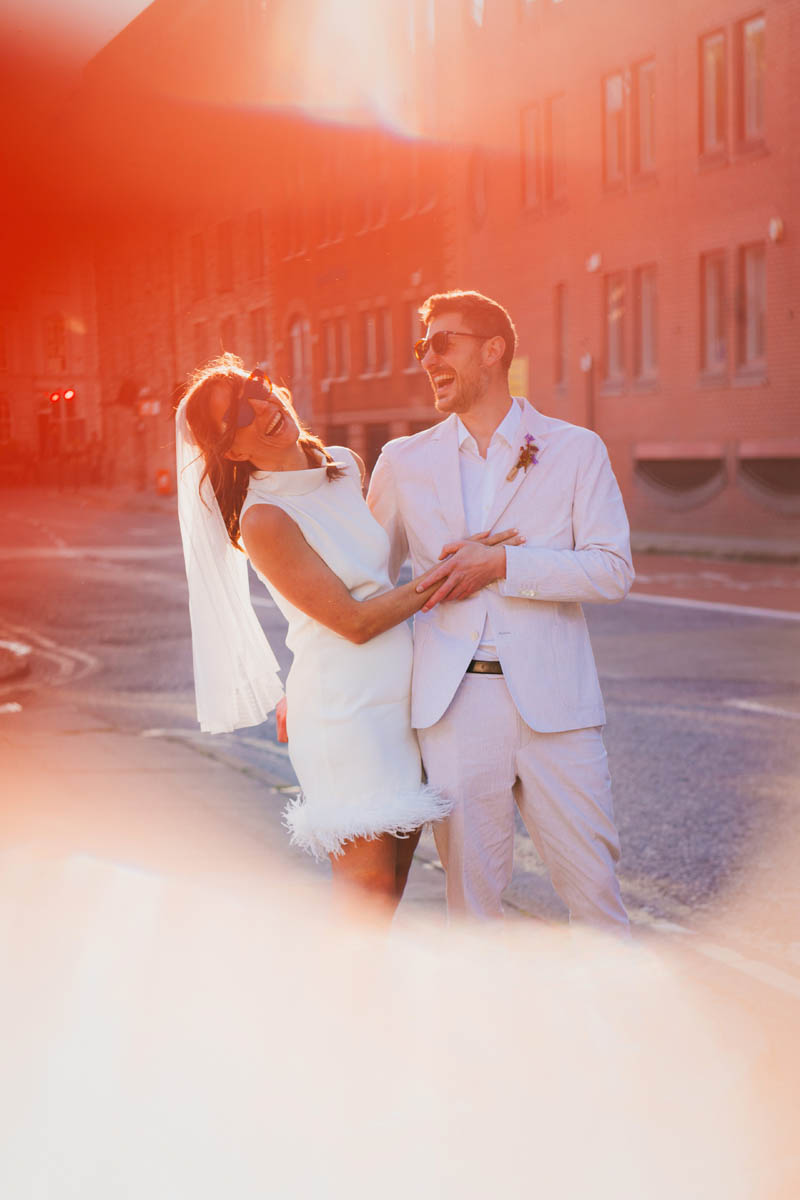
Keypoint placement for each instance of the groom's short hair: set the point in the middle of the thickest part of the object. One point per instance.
(485, 315)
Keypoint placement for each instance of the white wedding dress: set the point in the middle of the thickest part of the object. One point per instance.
(350, 737)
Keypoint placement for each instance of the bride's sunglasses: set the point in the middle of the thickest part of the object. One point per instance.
(438, 341)
(239, 413)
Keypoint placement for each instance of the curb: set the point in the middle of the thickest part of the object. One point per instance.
(733, 549)
(15, 660)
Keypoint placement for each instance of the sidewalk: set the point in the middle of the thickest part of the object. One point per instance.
(77, 785)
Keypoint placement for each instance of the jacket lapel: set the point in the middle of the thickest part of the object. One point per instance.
(531, 423)
(444, 467)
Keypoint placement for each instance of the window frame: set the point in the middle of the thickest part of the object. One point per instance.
(718, 367)
(616, 379)
(747, 364)
(718, 151)
(618, 181)
(746, 140)
(639, 168)
(644, 373)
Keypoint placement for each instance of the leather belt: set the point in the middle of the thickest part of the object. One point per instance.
(479, 667)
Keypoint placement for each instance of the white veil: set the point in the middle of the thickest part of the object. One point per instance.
(235, 672)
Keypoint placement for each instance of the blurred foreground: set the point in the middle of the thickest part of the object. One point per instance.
(174, 1033)
(185, 1016)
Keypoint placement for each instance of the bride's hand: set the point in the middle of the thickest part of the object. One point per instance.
(506, 537)
(280, 720)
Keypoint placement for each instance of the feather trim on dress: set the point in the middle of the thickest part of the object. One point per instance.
(323, 829)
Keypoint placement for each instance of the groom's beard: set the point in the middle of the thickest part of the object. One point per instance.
(468, 391)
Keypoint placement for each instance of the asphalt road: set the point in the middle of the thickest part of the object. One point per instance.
(703, 701)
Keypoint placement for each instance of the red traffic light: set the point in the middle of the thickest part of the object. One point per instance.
(69, 394)
(55, 397)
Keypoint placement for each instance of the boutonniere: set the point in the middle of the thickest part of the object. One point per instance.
(527, 457)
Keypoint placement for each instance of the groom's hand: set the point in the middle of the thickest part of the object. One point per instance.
(469, 566)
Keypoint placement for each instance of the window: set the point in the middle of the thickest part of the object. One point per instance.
(422, 16)
(376, 342)
(225, 256)
(430, 19)
(198, 266)
(477, 188)
(55, 342)
(531, 156)
(374, 184)
(335, 348)
(645, 322)
(300, 366)
(560, 334)
(258, 335)
(614, 130)
(227, 333)
(295, 212)
(5, 420)
(713, 346)
(615, 327)
(751, 80)
(751, 308)
(200, 342)
(332, 213)
(713, 87)
(555, 157)
(644, 117)
(415, 332)
(254, 238)
(377, 435)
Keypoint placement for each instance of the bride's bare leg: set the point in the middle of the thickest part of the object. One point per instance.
(404, 853)
(364, 876)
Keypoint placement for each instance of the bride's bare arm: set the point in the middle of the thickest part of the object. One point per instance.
(278, 549)
(280, 552)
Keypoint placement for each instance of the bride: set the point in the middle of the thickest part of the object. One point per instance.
(252, 479)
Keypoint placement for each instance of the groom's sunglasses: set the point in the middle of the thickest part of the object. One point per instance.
(438, 341)
(239, 413)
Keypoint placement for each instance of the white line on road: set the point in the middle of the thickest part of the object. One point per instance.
(265, 745)
(744, 610)
(135, 553)
(72, 664)
(765, 973)
(770, 710)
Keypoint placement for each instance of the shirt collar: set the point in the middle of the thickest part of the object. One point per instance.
(506, 430)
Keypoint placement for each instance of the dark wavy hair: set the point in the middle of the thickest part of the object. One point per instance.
(230, 479)
(486, 316)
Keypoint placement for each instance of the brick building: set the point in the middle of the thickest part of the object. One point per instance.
(629, 188)
(623, 177)
(49, 381)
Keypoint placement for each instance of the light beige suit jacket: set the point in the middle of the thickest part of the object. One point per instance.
(568, 506)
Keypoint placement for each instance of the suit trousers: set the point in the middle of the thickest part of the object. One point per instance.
(484, 758)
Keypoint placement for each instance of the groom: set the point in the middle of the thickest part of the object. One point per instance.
(505, 698)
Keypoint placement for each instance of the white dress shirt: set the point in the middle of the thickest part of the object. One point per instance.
(480, 479)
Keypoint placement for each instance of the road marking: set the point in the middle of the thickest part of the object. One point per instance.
(265, 745)
(134, 553)
(744, 610)
(72, 664)
(770, 710)
(765, 973)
